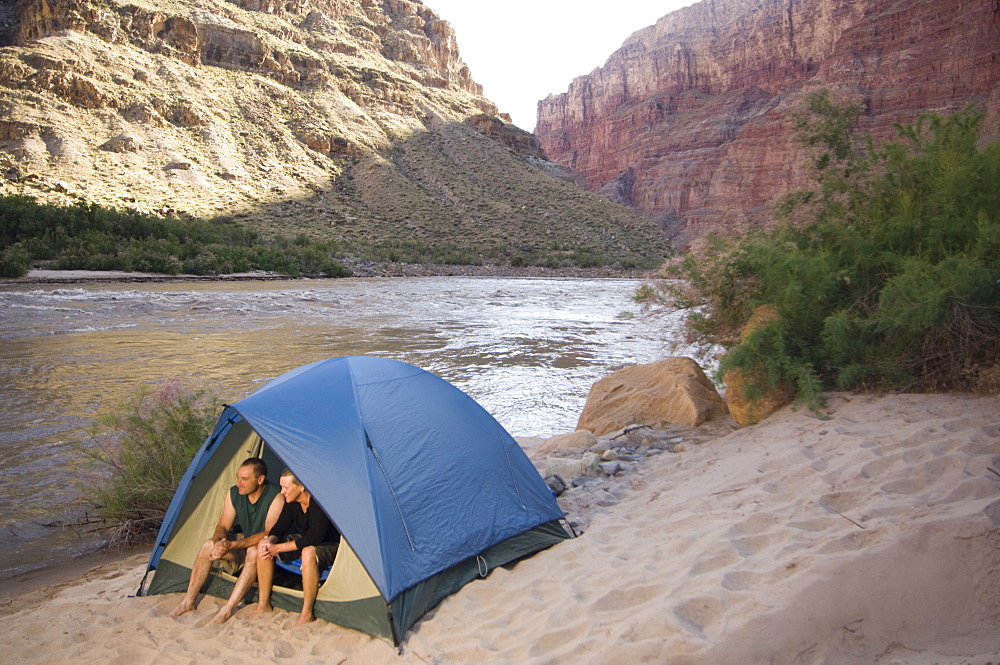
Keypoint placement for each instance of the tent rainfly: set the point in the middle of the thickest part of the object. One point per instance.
(426, 488)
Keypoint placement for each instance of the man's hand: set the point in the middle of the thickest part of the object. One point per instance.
(220, 550)
(264, 549)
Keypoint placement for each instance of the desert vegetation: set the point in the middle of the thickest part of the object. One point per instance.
(884, 276)
(87, 236)
(139, 452)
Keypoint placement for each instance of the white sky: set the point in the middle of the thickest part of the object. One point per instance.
(520, 51)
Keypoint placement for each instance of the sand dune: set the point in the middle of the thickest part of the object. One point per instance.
(859, 537)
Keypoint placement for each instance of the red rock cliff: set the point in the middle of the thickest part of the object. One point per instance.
(689, 121)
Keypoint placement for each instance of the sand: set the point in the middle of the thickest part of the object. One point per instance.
(858, 537)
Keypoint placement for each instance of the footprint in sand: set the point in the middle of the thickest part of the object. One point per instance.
(721, 560)
(629, 598)
(745, 580)
(127, 658)
(924, 476)
(972, 489)
(879, 467)
(702, 617)
(852, 542)
(814, 525)
(282, 649)
(751, 545)
(755, 524)
(548, 642)
(961, 424)
(741, 580)
(841, 502)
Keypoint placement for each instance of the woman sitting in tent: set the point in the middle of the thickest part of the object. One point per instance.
(302, 531)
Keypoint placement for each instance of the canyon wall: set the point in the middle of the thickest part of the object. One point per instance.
(690, 122)
(353, 120)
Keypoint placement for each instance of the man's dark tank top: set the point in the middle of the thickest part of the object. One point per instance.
(250, 516)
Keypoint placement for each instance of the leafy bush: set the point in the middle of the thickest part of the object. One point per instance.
(14, 261)
(885, 277)
(89, 237)
(141, 449)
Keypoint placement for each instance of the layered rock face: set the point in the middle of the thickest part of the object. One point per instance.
(356, 119)
(690, 121)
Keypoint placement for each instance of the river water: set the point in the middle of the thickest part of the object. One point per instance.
(527, 349)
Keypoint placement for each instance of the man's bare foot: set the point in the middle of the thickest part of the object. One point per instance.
(304, 619)
(185, 606)
(261, 609)
(224, 615)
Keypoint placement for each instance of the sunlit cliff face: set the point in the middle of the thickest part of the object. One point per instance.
(352, 121)
(203, 105)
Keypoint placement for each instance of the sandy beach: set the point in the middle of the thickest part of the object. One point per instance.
(859, 536)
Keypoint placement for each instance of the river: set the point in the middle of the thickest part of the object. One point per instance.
(527, 349)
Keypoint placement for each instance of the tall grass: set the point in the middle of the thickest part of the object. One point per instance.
(140, 451)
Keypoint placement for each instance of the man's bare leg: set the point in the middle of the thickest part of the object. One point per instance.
(199, 573)
(265, 578)
(243, 583)
(310, 585)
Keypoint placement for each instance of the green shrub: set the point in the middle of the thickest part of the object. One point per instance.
(140, 450)
(89, 237)
(14, 261)
(886, 280)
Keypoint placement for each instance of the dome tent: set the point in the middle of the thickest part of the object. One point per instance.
(426, 488)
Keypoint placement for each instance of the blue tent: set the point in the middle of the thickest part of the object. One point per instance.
(427, 489)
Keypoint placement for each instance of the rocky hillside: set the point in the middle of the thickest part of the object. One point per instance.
(347, 119)
(689, 123)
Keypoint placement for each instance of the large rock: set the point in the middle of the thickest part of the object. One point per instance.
(670, 391)
(746, 411)
(578, 440)
(690, 122)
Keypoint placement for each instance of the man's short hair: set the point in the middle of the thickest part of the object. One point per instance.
(259, 467)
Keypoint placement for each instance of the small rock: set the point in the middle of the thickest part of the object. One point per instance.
(556, 484)
(610, 468)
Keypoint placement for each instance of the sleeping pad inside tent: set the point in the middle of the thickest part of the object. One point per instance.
(427, 489)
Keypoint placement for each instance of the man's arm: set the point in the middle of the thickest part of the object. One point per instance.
(222, 529)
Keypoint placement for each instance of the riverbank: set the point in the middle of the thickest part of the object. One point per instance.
(861, 536)
(358, 269)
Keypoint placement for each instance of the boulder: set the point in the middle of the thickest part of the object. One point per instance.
(670, 391)
(578, 440)
(746, 411)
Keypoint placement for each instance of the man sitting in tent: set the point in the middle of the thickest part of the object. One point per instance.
(302, 531)
(254, 504)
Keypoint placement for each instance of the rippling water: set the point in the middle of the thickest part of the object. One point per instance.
(528, 350)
